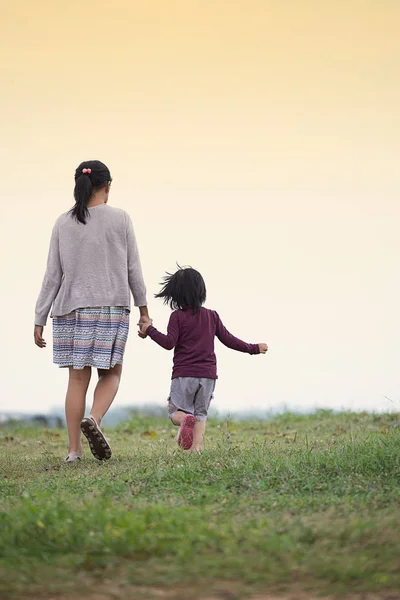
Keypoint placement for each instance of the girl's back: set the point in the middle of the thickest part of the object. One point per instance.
(94, 253)
(92, 264)
(192, 336)
(194, 350)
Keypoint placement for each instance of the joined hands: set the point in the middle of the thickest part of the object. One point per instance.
(143, 324)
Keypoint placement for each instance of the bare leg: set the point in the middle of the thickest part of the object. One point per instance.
(198, 435)
(75, 405)
(105, 392)
(177, 417)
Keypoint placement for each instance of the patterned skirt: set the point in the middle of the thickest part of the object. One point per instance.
(91, 337)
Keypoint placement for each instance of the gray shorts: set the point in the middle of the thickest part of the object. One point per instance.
(191, 395)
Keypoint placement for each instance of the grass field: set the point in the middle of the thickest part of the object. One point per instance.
(301, 505)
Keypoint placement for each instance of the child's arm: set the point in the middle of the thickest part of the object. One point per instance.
(235, 343)
(165, 341)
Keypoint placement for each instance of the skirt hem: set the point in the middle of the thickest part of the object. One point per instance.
(81, 367)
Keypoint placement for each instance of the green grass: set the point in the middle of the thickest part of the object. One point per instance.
(312, 500)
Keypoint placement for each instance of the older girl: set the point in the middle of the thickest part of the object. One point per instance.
(93, 264)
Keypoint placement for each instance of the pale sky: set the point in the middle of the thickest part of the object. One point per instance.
(257, 141)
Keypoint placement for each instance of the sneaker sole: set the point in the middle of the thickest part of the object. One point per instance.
(98, 444)
(185, 436)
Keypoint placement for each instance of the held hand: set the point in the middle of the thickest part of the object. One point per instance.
(38, 336)
(263, 348)
(144, 323)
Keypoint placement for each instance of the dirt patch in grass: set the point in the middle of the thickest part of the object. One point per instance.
(218, 593)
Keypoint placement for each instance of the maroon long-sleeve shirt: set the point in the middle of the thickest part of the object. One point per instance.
(192, 336)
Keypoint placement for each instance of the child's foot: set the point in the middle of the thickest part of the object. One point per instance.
(98, 443)
(73, 457)
(185, 434)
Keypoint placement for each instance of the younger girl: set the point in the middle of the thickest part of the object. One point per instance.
(191, 331)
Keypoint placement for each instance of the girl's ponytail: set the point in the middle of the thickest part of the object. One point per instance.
(90, 176)
(82, 194)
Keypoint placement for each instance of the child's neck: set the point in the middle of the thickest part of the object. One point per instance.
(98, 198)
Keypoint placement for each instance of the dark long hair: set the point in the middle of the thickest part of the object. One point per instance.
(90, 176)
(183, 289)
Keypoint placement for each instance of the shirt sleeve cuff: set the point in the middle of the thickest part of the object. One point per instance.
(40, 320)
(140, 301)
(151, 330)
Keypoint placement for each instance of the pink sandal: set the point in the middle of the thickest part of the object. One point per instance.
(185, 434)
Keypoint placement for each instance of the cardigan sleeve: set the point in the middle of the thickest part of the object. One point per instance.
(52, 280)
(135, 275)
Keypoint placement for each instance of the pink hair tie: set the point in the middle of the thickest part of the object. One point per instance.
(86, 171)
